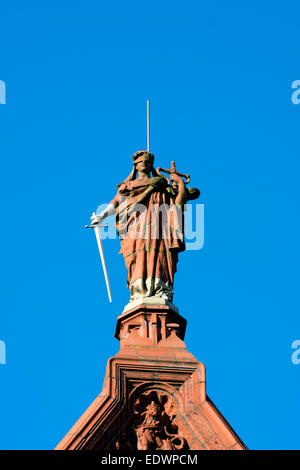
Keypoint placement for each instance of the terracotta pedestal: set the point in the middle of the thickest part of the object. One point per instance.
(154, 394)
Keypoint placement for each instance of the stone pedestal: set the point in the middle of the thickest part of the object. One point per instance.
(154, 394)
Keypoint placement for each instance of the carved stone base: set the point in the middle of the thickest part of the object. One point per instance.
(154, 300)
(154, 394)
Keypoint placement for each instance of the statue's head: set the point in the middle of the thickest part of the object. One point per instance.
(153, 409)
(143, 160)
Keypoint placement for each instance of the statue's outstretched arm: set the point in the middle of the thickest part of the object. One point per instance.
(109, 210)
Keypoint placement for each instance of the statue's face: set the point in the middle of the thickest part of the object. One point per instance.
(144, 166)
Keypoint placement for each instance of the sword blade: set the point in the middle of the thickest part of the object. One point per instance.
(101, 251)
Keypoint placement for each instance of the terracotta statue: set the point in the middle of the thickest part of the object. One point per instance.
(148, 433)
(152, 432)
(149, 221)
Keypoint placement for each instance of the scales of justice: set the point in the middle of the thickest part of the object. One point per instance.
(151, 237)
(154, 391)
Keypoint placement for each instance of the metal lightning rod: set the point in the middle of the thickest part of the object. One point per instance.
(148, 126)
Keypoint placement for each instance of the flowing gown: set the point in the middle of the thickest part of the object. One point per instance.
(150, 226)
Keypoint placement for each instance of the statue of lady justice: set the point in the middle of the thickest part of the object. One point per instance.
(149, 221)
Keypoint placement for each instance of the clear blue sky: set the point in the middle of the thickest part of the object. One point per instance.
(218, 75)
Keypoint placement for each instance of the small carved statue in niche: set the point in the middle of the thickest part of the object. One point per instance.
(156, 430)
(148, 433)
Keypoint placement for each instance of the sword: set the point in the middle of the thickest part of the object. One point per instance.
(101, 251)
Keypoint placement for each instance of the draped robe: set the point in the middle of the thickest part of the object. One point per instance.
(151, 236)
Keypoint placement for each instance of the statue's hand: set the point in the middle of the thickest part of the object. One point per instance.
(176, 178)
(96, 219)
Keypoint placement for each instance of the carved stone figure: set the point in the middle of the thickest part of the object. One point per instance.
(156, 430)
(149, 221)
(148, 433)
